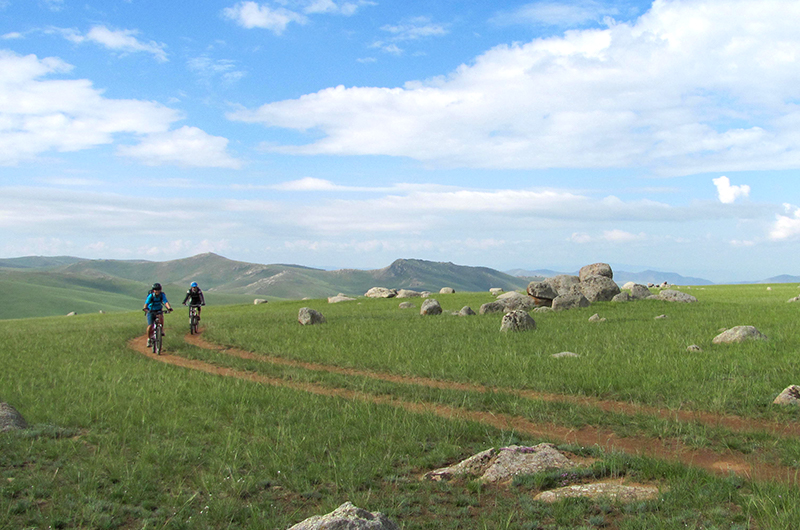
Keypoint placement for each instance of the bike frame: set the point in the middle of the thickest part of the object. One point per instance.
(158, 329)
(193, 319)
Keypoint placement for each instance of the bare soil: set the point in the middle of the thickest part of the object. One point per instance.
(746, 465)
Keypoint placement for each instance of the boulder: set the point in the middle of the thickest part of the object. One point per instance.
(259, 301)
(790, 396)
(640, 292)
(430, 307)
(11, 419)
(347, 517)
(494, 291)
(569, 301)
(492, 307)
(739, 334)
(622, 297)
(566, 284)
(340, 298)
(606, 490)
(71, 314)
(542, 302)
(518, 320)
(502, 465)
(381, 292)
(599, 288)
(596, 318)
(408, 293)
(407, 305)
(307, 316)
(466, 311)
(447, 290)
(671, 295)
(542, 289)
(596, 269)
(514, 300)
(628, 286)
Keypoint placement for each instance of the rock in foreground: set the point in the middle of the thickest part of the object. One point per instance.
(347, 517)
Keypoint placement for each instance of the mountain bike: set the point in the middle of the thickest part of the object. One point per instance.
(194, 319)
(157, 337)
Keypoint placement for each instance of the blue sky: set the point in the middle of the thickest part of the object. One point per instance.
(346, 134)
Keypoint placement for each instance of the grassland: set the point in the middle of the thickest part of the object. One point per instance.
(118, 440)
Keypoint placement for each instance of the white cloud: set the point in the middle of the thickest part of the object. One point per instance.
(252, 15)
(12, 35)
(728, 193)
(557, 13)
(688, 87)
(186, 147)
(306, 184)
(123, 40)
(225, 69)
(415, 28)
(621, 236)
(580, 238)
(39, 115)
(786, 226)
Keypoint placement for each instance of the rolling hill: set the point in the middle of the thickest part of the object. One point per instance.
(37, 286)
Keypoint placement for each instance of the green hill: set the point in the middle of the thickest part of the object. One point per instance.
(38, 286)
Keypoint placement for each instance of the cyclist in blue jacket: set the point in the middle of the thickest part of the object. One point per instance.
(154, 305)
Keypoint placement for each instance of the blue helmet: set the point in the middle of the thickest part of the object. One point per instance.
(194, 284)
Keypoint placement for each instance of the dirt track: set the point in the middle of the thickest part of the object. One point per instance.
(747, 466)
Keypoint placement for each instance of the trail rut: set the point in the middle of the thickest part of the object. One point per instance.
(745, 465)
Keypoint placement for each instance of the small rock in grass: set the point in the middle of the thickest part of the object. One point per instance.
(348, 517)
(739, 334)
(11, 419)
(564, 354)
(596, 318)
(694, 348)
(518, 320)
(790, 396)
(661, 317)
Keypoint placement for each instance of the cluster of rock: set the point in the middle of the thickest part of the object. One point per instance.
(501, 465)
(594, 283)
(384, 292)
(308, 317)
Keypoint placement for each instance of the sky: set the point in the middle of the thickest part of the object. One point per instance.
(335, 134)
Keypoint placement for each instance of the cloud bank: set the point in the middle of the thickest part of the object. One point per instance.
(688, 87)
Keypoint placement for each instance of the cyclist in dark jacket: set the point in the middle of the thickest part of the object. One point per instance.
(197, 299)
(154, 305)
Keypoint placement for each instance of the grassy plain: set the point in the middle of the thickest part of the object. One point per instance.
(120, 441)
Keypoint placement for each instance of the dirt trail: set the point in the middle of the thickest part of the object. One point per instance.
(747, 466)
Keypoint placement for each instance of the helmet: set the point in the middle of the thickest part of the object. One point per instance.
(194, 284)
(156, 286)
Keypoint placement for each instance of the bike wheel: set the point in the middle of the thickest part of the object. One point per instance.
(157, 341)
(193, 325)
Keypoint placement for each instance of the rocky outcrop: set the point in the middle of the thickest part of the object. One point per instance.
(347, 517)
(596, 269)
(598, 288)
(514, 300)
(408, 293)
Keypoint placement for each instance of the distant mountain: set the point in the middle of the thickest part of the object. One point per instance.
(783, 278)
(91, 285)
(623, 277)
(37, 262)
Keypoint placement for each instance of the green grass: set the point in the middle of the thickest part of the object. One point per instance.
(120, 441)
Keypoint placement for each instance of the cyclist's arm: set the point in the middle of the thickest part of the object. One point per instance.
(202, 299)
(186, 298)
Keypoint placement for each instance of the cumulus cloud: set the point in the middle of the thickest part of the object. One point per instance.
(40, 115)
(123, 41)
(688, 87)
(729, 193)
(186, 147)
(251, 15)
(786, 226)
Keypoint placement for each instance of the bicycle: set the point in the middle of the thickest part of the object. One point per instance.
(194, 319)
(157, 336)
